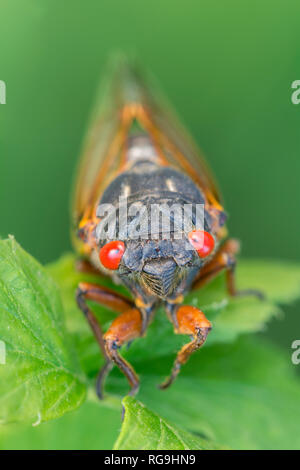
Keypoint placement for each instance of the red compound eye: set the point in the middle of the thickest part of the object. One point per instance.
(202, 241)
(111, 254)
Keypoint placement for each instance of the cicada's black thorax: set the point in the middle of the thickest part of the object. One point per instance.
(157, 253)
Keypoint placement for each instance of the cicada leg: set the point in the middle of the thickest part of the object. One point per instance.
(85, 266)
(225, 259)
(191, 321)
(123, 328)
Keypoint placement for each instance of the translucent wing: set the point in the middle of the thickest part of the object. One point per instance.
(181, 151)
(129, 101)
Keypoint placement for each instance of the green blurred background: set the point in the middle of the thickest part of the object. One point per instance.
(226, 66)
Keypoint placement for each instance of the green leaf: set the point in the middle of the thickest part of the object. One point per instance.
(279, 280)
(243, 395)
(41, 378)
(144, 430)
(93, 426)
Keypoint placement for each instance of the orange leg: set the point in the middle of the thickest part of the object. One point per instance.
(224, 259)
(109, 298)
(84, 266)
(187, 320)
(123, 329)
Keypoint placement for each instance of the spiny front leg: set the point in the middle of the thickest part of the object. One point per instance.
(187, 320)
(123, 329)
(109, 298)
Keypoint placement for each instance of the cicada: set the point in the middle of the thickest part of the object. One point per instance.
(137, 157)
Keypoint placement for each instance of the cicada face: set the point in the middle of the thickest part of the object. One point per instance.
(162, 269)
(148, 211)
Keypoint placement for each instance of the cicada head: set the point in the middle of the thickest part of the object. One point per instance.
(163, 268)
